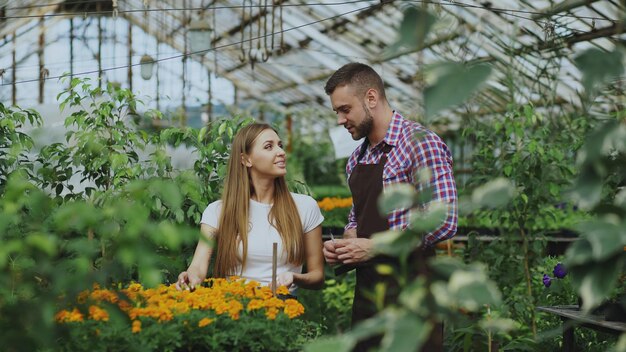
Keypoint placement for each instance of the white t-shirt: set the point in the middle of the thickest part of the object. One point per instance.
(262, 235)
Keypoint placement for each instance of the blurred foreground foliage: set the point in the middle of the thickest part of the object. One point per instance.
(105, 206)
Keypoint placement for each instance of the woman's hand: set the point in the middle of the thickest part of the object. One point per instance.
(188, 280)
(284, 279)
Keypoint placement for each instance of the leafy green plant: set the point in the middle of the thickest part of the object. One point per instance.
(56, 250)
(103, 144)
(14, 142)
(331, 307)
(131, 218)
(597, 261)
(524, 147)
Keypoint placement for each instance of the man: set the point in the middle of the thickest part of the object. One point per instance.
(393, 151)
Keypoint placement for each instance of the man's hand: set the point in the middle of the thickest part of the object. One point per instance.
(329, 252)
(353, 250)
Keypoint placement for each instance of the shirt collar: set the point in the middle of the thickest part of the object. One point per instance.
(393, 132)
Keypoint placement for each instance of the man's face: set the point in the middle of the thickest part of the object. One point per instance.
(352, 112)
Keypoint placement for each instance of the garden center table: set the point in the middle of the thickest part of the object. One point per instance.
(572, 317)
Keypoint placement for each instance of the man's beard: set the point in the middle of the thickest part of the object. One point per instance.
(365, 127)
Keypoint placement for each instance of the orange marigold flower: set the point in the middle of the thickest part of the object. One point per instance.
(82, 297)
(204, 322)
(97, 313)
(330, 203)
(104, 296)
(66, 316)
(161, 304)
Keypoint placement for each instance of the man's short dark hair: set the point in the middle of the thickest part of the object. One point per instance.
(359, 75)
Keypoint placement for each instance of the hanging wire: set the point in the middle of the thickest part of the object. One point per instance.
(500, 10)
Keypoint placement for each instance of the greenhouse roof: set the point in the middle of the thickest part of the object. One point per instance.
(283, 51)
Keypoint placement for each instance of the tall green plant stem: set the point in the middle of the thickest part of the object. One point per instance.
(489, 338)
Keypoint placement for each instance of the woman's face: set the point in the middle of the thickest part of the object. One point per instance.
(267, 158)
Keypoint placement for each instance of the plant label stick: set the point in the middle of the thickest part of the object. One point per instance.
(274, 255)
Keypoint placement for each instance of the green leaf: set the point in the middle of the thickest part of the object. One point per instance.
(222, 128)
(606, 239)
(494, 194)
(150, 277)
(397, 196)
(169, 234)
(578, 253)
(598, 66)
(395, 243)
(454, 84)
(469, 289)
(340, 343)
(430, 219)
(595, 280)
(498, 325)
(202, 133)
(405, 332)
(413, 295)
(415, 25)
(588, 189)
(43, 242)
(372, 326)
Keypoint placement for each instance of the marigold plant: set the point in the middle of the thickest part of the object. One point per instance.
(232, 314)
(330, 203)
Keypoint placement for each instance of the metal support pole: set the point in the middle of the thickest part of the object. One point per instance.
(99, 46)
(71, 49)
(41, 63)
(210, 104)
(130, 56)
(14, 69)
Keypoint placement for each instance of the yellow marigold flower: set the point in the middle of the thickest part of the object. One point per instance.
(255, 304)
(97, 313)
(271, 313)
(293, 308)
(136, 326)
(282, 290)
(204, 322)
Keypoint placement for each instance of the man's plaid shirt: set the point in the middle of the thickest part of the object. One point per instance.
(414, 147)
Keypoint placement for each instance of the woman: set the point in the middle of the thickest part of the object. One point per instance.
(255, 211)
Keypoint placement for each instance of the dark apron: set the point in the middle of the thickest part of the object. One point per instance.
(366, 185)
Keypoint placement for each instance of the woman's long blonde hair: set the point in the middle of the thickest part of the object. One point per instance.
(234, 218)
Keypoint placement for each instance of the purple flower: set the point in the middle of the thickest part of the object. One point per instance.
(559, 271)
(547, 280)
